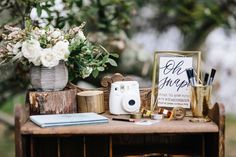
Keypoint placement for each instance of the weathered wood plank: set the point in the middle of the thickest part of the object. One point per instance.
(217, 114)
(21, 116)
(114, 127)
(157, 144)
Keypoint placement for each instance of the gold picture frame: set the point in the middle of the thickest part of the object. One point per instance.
(157, 54)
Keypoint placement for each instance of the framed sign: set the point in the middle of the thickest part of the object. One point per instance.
(171, 79)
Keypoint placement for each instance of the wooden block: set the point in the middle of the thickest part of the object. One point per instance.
(91, 101)
(53, 102)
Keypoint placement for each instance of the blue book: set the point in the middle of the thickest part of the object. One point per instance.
(53, 120)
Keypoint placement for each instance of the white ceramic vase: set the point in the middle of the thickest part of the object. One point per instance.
(49, 79)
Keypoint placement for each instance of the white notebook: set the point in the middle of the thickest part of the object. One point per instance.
(68, 119)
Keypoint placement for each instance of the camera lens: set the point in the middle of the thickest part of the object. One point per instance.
(131, 102)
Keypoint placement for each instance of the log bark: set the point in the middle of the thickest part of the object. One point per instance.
(91, 101)
(56, 102)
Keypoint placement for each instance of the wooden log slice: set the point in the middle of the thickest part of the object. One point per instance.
(91, 101)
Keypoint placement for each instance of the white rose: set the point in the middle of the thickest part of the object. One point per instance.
(31, 49)
(49, 58)
(56, 34)
(61, 50)
(16, 48)
(80, 35)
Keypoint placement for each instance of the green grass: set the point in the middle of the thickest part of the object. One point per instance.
(7, 146)
(8, 107)
(230, 135)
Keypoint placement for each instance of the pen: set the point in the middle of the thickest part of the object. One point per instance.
(188, 75)
(205, 79)
(192, 79)
(213, 71)
(124, 119)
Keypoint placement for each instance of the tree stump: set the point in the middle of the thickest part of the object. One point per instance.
(52, 102)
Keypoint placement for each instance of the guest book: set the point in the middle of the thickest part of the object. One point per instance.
(68, 119)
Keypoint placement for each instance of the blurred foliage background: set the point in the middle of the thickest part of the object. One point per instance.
(113, 23)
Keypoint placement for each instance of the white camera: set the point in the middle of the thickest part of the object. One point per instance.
(124, 97)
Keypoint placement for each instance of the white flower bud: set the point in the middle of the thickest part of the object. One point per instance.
(56, 34)
(80, 35)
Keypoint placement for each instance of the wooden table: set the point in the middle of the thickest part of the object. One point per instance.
(118, 138)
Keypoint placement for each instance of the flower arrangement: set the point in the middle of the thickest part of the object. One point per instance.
(48, 46)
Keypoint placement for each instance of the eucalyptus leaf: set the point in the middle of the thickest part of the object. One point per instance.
(95, 73)
(114, 55)
(112, 62)
(100, 68)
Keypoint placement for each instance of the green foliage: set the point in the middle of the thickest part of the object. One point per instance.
(103, 15)
(86, 58)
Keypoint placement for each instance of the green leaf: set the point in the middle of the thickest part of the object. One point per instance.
(114, 55)
(112, 62)
(39, 9)
(105, 59)
(95, 73)
(100, 68)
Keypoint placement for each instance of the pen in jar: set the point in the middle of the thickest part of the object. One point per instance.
(212, 75)
(205, 79)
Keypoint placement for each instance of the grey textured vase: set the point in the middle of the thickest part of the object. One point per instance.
(49, 79)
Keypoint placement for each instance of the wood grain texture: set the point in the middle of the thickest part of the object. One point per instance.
(21, 116)
(157, 144)
(125, 138)
(217, 114)
(52, 102)
(119, 127)
(90, 101)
